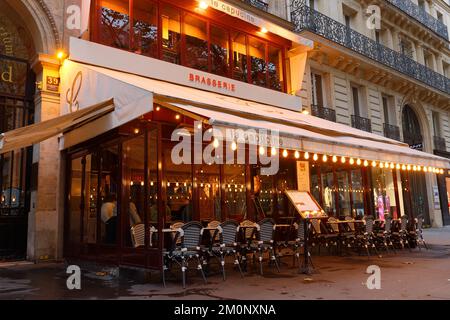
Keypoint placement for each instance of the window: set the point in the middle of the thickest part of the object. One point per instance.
(208, 190)
(264, 193)
(234, 192)
(406, 48)
(440, 17)
(421, 4)
(275, 68)
(356, 101)
(179, 188)
(240, 71)
(383, 187)
(428, 58)
(115, 23)
(436, 124)
(171, 34)
(196, 35)
(286, 180)
(386, 110)
(75, 202)
(145, 28)
(219, 51)
(257, 52)
(377, 36)
(328, 190)
(357, 193)
(343, 192)
(317, 89)
(90, 198)
(347, 20)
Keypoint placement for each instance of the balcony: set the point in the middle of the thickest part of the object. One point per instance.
(262, 5)
(324, 113)
(413, 139)
(420, 15)
(307, 19)
(391, 132)
(361, 123)
(439, 144)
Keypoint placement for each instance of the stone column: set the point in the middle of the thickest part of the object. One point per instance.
(45, 217)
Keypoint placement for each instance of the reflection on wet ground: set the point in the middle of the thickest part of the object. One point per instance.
(405, 275)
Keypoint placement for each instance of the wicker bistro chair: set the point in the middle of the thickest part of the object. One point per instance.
(346, 237)
(138, 235)
(189, 239)
(417, 233)
(366, 238)
(400, 237)
(227, 245)
(247, 231)
(384, 237)
(321, 235)
(266, 242)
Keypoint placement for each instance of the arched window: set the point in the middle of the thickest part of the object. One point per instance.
(412, 133)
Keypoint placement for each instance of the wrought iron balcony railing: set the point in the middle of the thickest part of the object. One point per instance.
(419, 14)
(361, 123)
(307, 19)
(439, 144)
(412, 138)
(324, 113)
(262, 5)
(392, 132)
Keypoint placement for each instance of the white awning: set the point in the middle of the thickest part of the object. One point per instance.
(32, 134)
(298, 131)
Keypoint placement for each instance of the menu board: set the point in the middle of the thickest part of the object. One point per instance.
(305, 204)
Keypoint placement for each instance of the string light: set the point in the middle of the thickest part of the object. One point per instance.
(315, 157)
(352, 161)
(306, 155)
(203, 4)
(392, 165)
(358, 162)
(297, 155)
(343, 160)
(398, 166)
(366, 163)
(403, 167)
(335, 159)
(441, 171)
(325, 158)
(414, 168)
(425, 169)
(273, 151)
(285, 153)
(374, 164)
(381, 165)
(216, 143)
(234, 146)
(262, 151)
(408, 167)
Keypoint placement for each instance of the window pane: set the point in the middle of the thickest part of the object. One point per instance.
(109, 191)
(208, 186)
(6, 161)
(134, 188)
(315, 182)
(240, 71)
(115, 23)
(357, 194)
(75, 201)
(171, 34)
(219, 51)
(179, 189)
(145, 28)
(384, 193)
(264, 193)
(286, 180)
(329, 203)
(196, 43)
(152, 183)
(343, 193)
(275, 69)
(234, 192)
(90, 199)
(257, 50)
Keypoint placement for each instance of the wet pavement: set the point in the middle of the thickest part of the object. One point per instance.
(421, 275)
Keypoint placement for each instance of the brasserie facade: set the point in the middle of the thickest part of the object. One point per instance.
(152, 74)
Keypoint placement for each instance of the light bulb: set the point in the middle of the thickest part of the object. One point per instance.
(285, 153)
(203, 4)
(297, 155)
(325, 158)
(343, 160)
(306, 155)
(366, 163)
(315, 157)
(234, 146)
(352, 161)
(273, 151)
(374, 164)
(358, 162)
(262, 150)
(335, 159)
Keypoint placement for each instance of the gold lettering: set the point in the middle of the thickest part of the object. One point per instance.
(7, 75)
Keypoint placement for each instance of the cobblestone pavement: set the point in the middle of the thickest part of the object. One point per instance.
(421, 275)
